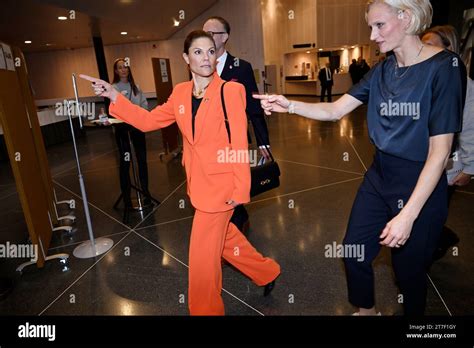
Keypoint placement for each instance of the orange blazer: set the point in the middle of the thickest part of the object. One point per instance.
(214, 174)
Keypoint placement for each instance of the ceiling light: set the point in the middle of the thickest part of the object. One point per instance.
(62, 18)
(353, 47)
(307, 52)
(176, 23)
(27, 41)
(123, 33)
(320, 49)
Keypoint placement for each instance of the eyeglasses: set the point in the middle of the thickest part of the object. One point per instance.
(216, 32)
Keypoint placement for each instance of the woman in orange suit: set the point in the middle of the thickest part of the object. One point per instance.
(215, 187)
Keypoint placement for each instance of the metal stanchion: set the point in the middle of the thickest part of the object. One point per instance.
(93, 247)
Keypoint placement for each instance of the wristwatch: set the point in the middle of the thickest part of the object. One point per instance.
(291, 107)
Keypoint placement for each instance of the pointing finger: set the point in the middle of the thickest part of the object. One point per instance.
(260, 96)
(89, 78)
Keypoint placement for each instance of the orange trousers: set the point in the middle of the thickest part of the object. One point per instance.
(214, 238)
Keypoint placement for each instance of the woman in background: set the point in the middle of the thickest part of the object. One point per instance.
(460, 168)
(124, 83)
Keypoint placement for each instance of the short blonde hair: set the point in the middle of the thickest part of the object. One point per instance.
(421, 11)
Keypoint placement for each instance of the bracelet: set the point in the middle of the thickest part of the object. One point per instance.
(291, 107)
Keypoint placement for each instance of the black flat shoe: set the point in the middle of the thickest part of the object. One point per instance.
(268, 288)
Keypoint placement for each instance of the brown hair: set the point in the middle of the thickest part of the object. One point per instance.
(448, 36)
(130, 75)
(194, 35)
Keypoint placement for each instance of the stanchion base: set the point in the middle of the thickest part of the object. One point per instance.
(85, 250)
(136, 206)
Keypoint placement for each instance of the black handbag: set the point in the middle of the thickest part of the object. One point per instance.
(264, 177)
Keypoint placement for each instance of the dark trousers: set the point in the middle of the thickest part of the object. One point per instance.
(326, 88)
(122, 132)
(388, 183)
(451, 190)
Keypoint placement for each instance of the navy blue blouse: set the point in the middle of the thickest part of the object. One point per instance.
(408, 105)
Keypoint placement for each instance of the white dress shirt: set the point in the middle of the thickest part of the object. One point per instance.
(328, 74)
(221, 62)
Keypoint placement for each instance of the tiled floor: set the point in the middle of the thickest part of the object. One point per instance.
(145, 273)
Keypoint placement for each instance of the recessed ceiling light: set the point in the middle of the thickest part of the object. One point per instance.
(320, 49)
(27, 41)
(123, 33)
(307, 52)
(62, 18)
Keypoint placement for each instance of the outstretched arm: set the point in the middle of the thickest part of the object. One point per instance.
(160, 117)
(316, 111)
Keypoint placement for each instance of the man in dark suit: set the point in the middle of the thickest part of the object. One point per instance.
(325, 77)
(354, 71)
(231, 68)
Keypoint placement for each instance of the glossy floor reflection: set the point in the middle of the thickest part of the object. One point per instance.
(145, 273)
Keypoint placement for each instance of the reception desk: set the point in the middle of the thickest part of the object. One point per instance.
(342, 83)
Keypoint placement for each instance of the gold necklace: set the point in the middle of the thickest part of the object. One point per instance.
(200, 92)
(396, 64)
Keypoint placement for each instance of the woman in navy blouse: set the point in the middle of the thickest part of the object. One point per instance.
(415, 100)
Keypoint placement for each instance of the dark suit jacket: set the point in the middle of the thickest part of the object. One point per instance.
(323, 79)
(239, 70)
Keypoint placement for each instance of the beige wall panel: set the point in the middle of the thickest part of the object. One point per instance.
(50, 72)
(140, 55)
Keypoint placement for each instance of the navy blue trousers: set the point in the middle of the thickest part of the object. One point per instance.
(387, 186)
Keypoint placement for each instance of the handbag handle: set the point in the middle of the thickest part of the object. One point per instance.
(227, 125)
